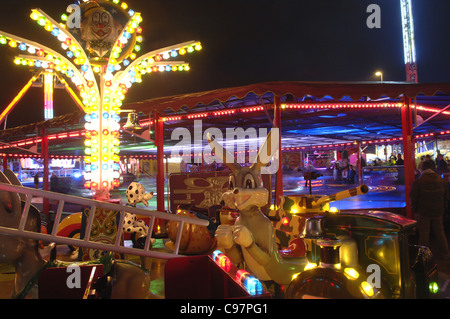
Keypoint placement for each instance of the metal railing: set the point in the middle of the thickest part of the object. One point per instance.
(94, 204)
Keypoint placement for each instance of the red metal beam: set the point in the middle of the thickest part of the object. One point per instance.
(159, 141)
(408, 151)
(279, 176)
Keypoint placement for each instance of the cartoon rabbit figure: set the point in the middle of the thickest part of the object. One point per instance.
(252, 238)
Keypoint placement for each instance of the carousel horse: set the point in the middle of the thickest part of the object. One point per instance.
(129, 280)
(252, 238)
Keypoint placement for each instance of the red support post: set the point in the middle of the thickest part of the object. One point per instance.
(279, 176)
(159, 141)
(45, 156)
(5, 162)
(408, 150)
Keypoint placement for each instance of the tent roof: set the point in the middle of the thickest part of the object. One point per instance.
(337, 90)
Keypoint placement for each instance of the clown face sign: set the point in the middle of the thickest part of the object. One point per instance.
(101, 23)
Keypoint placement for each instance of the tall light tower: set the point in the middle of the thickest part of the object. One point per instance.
(408, 41)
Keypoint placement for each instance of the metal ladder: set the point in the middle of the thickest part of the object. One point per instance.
(94, 204)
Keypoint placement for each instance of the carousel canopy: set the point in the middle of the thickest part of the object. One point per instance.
(314, 114)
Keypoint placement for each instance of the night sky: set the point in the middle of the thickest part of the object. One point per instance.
(248, 41)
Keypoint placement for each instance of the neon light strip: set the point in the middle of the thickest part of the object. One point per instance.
(16, 100)
(77, 134)
(48, 96)
(232, 112)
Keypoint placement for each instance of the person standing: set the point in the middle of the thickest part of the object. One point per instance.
(36, 180)
(429, 201)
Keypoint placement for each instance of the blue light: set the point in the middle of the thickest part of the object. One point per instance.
(131, 12)
(216, 253)
(87, 168)
(55, 32)
(105, 167)
(84, 67)
(126, 62)
(70, 73)
(253, 286)
(127, 35)
(22, 46)
(37, 64)
(87, 118)
(105, 115)
(94, 167)
(77, 175)
(69, 54)
(111, 68)
(174, 54)
(94, 116)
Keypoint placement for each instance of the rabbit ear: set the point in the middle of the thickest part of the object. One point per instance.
(222, 153)
(14, 181)
(267, 150)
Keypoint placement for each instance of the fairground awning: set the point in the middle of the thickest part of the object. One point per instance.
(337, 90)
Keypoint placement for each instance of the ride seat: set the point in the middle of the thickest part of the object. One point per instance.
(296, 249)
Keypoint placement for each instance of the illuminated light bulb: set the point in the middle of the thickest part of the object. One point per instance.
(137, 48)
(12, 44)
(94, 185)
(132, 56)
(94, 159)
(105, 167)
(182, 51)
(124, 5)
(367, 289)
(64, 17)
(190, 49)
(22, 47)
(139, 30)
(34, 15)
(3, 40)
(351, 273)
(333, 210)
(87, 151)
(88, 143)
(166, 56)
(105, 184)
(94, 150)
(42, 21)
(187, 68)
(198, 47)
(87, 185)
(139, 39)
(285, 221)
(115, 158)
(88, 159)
(48, 27)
